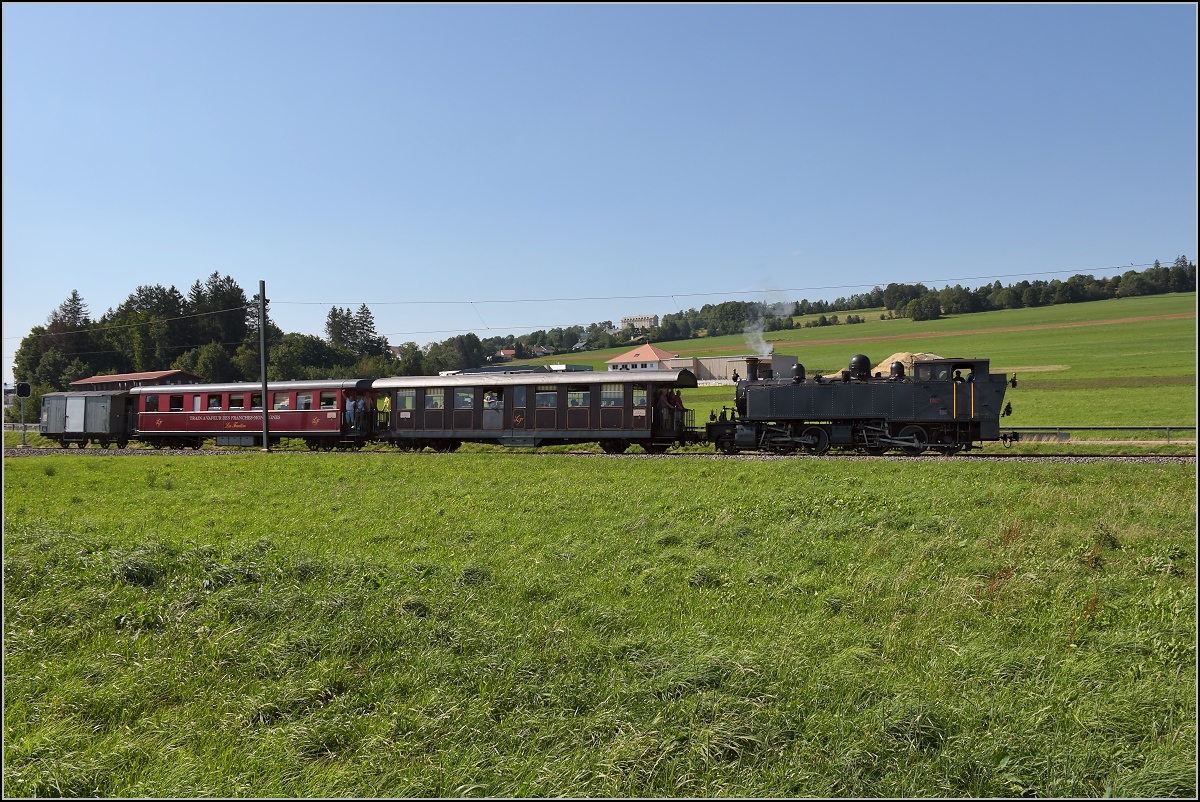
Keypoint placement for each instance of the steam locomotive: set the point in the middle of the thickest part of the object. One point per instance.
(946, 405)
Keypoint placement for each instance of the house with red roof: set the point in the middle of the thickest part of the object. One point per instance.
(644, 357)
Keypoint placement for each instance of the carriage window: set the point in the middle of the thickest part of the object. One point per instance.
(214, 401)
(519, 397)
(435, 398)
(279, 401)
(152, 403)
(579, 398)
(406, 399)
(196, 403)
(176, 403)
(237, 401)
(464, 399)
(493, 400)
(546, 396)
(329, 399)
(612, 395)
(256, 400)
(639, 396)
(304, 400)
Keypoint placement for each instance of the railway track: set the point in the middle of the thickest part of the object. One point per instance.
(1063, 458)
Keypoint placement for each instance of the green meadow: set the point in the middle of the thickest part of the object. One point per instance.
(520, 624)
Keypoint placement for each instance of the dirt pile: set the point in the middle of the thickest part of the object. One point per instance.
(904, 357)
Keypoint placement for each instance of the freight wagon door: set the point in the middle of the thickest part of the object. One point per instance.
(75, 414)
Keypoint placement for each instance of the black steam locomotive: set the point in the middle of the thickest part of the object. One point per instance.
(946, 405)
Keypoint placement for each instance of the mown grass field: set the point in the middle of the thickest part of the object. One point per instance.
(506, 624)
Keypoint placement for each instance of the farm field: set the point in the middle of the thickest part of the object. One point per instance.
(516, 624)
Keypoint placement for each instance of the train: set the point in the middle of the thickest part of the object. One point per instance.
(944, 406)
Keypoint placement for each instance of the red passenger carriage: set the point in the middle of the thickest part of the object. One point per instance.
(319, 412)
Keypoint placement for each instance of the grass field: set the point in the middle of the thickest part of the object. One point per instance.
(494, 624)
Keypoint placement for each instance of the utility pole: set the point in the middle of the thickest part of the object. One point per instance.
(262, 357)
(23, 392)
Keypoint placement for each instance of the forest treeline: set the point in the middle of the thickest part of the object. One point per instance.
(212, 330)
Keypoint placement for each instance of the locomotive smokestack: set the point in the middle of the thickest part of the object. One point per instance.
(752, 368)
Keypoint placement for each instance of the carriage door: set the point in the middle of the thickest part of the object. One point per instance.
(493, 409)
(405, 408)
(75, 411)
(641, 410)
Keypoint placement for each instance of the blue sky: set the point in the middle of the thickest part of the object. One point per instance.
(399, 155)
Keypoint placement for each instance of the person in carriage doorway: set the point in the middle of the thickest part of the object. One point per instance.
(664, 407)
(360, 413)
(384, 409)
(677, 405)
(349, 416)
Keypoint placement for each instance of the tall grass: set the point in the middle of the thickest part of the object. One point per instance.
(535, 625)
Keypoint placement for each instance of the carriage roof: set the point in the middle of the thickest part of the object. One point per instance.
(676, 378)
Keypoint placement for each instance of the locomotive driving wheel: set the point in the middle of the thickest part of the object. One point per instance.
(818, 440)
(919, 435)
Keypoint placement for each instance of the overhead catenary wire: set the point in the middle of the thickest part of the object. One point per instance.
(92, 328)
(653, 296)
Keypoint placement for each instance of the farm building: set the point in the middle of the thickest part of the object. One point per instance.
(644, 357)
